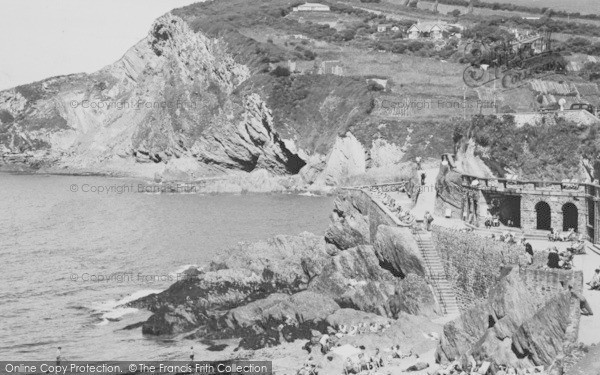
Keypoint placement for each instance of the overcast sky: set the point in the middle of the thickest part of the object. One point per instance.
(44, 38)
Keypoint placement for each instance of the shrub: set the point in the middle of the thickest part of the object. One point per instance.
(454, 13)
(472, 263)
(281, 71)
(374, 86)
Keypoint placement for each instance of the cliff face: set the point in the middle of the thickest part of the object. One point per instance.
(514, 327)
(167, 105)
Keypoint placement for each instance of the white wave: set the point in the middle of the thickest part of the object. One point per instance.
(184, 268)
(113, 312)
(308, 194)
(118, 313)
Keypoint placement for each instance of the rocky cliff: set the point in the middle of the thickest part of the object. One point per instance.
(514, 327)
(167, 106)
(191, 101)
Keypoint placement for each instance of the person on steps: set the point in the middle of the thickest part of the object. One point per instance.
(428, 220)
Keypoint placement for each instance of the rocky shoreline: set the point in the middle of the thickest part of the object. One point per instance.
(273, 294)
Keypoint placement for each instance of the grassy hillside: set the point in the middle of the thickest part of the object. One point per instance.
(313, 109)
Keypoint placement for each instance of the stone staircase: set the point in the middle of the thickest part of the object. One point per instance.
(436, 274)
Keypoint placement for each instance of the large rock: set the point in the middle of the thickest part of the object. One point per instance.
(542, 337)
(172, 320)
(349, 225)
(300, 308)
(290, 258)
(398, 251)
(246, 273)
(413, 296)
(353, 278)
(350, 317)
(346, 159)
(515, 326)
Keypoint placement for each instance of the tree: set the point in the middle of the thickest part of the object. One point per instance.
(470, 9)
(435, 6)
(281, 71)
(454, 13)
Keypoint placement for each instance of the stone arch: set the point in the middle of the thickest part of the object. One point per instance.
(543, 215)
(570, 216)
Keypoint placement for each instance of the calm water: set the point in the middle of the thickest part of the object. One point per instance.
(57, 245)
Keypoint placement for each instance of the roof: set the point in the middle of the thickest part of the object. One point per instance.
(314, 4)
(427, 27)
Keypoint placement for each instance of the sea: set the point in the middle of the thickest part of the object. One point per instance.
(75, 248)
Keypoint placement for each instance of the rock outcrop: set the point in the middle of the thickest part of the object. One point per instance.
(246, 273)
(349, 225)
(354, 279)
(398, 251)
(514, 327)
(298, 308)
(168, 104)
(288, 287)
(346, 159)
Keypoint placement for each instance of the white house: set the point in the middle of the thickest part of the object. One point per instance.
(432, 30)
(395, 29)
(331, 67)
(381, 28)
(311, 7)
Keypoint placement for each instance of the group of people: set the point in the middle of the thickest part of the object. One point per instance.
(562, 260)
(506, 236)
(492, 221)
(569, 235)
(482, 368)
(360, 328)
(363, 362)
(402, 214)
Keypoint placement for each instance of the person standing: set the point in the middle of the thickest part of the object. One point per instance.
(428, 220)
(192, 353)
(58, 356)
(529, 251)
(423, 176)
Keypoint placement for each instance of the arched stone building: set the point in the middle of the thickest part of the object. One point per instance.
(534, 205)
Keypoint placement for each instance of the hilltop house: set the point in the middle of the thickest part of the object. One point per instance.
(382, 28)
(311, 7)
(432, 30)
(331, 67)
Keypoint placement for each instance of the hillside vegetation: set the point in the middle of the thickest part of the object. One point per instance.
(534, 152)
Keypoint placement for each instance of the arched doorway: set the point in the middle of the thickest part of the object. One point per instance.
(544, 219)
(570, 216)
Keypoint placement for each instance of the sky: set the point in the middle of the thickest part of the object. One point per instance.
(45, 38)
